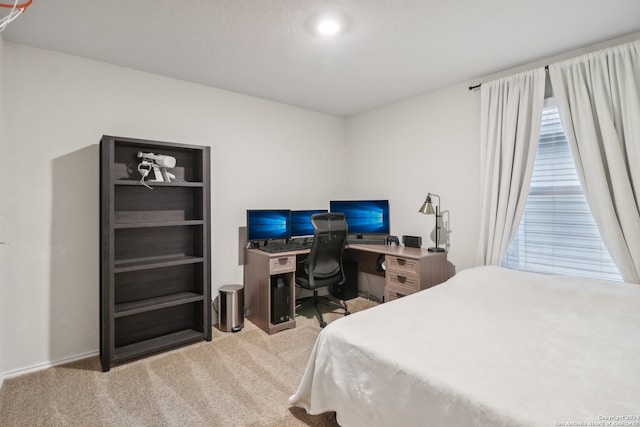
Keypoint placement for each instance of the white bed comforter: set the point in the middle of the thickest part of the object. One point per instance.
(489, 347)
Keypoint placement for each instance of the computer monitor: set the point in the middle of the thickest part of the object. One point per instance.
(265, 224)
(301, 222)
(364, 216)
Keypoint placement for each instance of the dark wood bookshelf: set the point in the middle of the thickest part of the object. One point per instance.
(155, 270)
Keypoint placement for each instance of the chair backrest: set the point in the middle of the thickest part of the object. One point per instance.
(325, 259)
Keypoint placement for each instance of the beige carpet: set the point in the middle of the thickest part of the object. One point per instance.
(237, 379)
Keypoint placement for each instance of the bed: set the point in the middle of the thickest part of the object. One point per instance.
(489, 347)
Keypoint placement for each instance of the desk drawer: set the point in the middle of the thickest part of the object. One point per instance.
(406, 265)
(400, 280)
(391, 294)
(400, 289)
(282, 264)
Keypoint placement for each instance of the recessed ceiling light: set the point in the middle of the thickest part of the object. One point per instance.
(328, 27)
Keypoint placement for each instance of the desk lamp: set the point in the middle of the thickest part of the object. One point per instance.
(427, 209)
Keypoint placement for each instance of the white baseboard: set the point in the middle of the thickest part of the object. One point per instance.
(40, 366)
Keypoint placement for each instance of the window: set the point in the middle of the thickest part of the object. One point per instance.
(557, 233)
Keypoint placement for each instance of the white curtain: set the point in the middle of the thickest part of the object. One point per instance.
(511, 111)
(599, 100)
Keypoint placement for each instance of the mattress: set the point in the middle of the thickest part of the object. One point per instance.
(489, 347)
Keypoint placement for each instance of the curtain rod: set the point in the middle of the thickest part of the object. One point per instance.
(546, 67)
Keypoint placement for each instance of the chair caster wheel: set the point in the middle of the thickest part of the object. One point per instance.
(346, 313)
(323, 324)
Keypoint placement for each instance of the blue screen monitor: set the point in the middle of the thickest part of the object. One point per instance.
(268, 224)
(364, 216)
(301, 222)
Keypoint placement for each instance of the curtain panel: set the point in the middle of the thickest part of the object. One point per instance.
(599, 100)
(511, 112)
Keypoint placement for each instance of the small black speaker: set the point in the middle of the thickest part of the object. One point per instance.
(412, 241)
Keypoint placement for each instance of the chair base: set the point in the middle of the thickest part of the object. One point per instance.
(317, 300)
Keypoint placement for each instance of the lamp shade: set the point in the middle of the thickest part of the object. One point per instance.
(427, 207)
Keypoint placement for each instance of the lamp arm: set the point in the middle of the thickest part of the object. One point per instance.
(438, 215)
(435, 195)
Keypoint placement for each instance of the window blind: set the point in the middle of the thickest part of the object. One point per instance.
(557, 233)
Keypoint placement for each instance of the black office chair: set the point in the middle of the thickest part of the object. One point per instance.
(323, 266)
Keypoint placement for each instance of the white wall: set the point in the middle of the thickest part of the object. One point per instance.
(429, 143)
(56, 109)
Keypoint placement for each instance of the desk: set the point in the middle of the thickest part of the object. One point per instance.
(408, 270)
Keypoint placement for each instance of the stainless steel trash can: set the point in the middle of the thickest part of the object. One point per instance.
(231, 308)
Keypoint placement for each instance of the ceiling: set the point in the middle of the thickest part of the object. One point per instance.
(391, 49)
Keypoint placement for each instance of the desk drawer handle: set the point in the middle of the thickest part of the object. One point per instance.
(283, 260)
(402, 279)
(402, 261)
(399, 295)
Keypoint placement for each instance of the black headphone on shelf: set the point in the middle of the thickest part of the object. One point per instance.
(380, 266)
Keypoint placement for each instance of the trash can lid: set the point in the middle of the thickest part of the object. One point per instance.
(230, 288)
